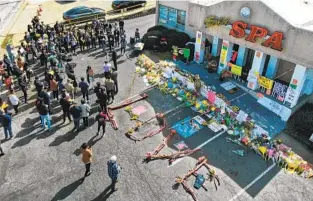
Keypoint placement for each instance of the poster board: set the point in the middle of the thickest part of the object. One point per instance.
(236, 70)
(265, 82)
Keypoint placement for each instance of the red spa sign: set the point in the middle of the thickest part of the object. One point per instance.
(275, 40)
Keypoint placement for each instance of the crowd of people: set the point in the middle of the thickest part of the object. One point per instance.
(54, 46)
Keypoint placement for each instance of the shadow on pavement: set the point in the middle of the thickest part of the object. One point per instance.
(104, 195)
(66, 191)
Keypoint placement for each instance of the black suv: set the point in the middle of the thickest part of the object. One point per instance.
(120, 4)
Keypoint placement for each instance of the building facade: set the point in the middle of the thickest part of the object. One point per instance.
(267, 50)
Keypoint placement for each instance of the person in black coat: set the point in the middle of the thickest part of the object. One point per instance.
(114, 58)
(23, 86)
(121, 25)
(65, 104)
(8, 64)
(103, 100)
(38, 84)
(111, 41)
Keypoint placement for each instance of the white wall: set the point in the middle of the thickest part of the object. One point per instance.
(181, 5)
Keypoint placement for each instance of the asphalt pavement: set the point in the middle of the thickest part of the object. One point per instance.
(42, 165)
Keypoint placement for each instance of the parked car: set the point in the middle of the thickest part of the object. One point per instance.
(119, 4)
(81, 11)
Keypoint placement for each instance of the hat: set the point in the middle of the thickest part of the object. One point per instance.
(113, 158)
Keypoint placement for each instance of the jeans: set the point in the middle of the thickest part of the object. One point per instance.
(87, 169)
(85, 95)
(76, 123)
(8, 131)
(45, 119)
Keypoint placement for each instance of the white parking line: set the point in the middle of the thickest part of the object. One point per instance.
(253, 182)
(200, 146)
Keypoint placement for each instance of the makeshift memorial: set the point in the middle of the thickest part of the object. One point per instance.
(181, 84)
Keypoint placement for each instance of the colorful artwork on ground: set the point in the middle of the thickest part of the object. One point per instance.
(181, 145)
(187, 127)
(139, 110)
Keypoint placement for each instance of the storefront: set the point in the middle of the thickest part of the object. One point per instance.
(264, 52)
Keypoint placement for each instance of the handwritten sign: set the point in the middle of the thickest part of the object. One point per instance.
(265, 82)
(279, 91)
(291, 96)
(236, 70)
(211, 97)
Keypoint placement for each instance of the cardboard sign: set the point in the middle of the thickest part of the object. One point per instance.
(236, 70)
(265, 82)
(279, 91)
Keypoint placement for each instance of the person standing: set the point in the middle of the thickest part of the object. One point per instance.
(90, 75)
(111, 41)
(114, 58)
(121, 25)
(6, 121)
(76, 111)
(123, 45)
(73, 45)
(114, 78)
(46, 98)
(54, 88)
(101, 118)
(107, 69)
(85, 112)
(110, 87)
(103, 100)
(69, 88)
(65, 104)
(137, 36)
(84, 87)
(23, 86)
(113, 171)
(43, 111)
(87, 159)
(38, 84)
(117, 37)
(14, 101)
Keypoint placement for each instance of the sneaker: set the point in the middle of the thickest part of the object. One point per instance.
(2, 154)
(89, 173)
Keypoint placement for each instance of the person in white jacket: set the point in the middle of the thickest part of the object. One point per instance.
(85, 112)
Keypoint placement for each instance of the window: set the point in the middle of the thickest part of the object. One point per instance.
(172, 17)
(181, 17)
